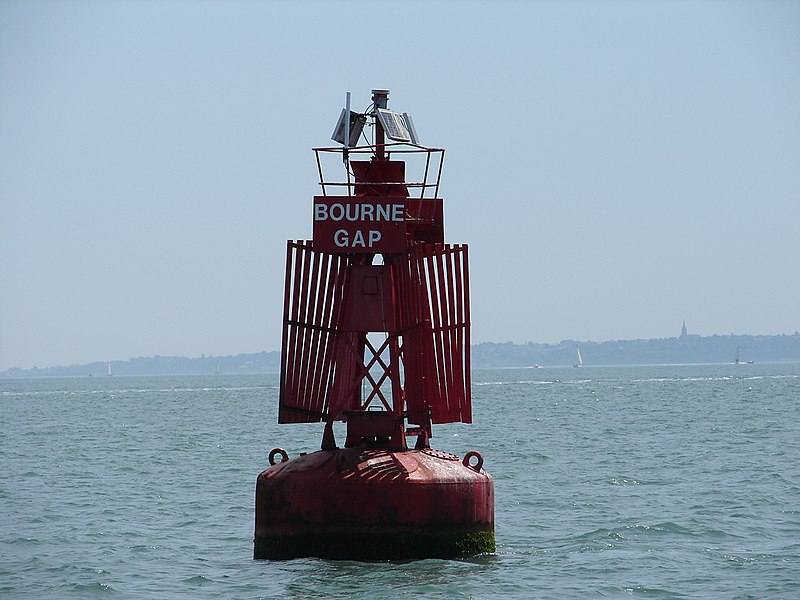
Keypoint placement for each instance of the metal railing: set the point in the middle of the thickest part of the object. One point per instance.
(432, 160)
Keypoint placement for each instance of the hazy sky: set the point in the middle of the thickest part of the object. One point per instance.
(615, 167)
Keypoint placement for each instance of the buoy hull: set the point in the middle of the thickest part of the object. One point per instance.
(374, 504)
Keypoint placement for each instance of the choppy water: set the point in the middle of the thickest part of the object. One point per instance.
(655, 482)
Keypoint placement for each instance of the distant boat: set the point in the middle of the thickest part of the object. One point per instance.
(109, 370)
(578, 357)
(737, 360)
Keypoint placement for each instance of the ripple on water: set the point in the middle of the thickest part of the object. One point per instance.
(662, 482)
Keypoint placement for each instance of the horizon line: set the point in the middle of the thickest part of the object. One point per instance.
(530, 342)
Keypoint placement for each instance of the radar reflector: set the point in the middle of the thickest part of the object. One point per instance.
(393, 125)
(357, 121)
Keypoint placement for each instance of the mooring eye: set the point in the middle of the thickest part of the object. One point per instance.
(282, 452)
(476, 466)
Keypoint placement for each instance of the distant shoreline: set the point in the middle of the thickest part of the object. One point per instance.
(686, 349)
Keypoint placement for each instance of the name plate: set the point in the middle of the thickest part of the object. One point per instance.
(359, 224)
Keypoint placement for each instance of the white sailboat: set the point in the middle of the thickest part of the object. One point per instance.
(737, 360)
(109, 370)
(578, 357)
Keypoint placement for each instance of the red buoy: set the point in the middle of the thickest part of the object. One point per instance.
(376, 334)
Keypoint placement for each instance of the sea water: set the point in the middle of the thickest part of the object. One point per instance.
(654, 482)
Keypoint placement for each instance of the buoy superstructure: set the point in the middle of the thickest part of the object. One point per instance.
(376, 333)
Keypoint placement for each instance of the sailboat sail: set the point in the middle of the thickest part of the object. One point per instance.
(578, 357)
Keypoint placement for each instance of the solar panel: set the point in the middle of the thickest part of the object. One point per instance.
(412, 131)
(393, 125)
(357, 121)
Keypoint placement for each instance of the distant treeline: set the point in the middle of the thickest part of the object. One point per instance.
(686, 349)
(260, 362)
